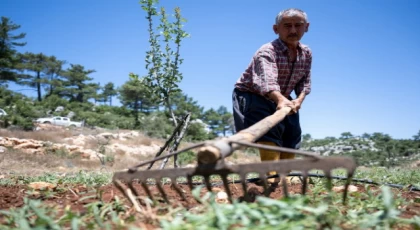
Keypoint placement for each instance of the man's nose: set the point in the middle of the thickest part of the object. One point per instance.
(293, 29)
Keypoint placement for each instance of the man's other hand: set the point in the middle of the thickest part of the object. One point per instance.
(286, 103)
(297, 104)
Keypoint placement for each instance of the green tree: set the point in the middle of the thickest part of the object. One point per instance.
(212, 118)
(134, 94)
(108, 92)
(346, 135)
(163, 65)
(53, 69)
(330, 139)
(75, 85)
(306, 137)
(226, 120)
(220, 120)
(366, 135)
(8, 42)
(37, 64)
(197, 132)
(182, 104)
(380, 137)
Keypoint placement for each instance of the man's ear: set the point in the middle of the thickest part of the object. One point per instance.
(307, 27)
(275, 29)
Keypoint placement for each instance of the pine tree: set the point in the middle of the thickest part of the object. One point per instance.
(8, 44)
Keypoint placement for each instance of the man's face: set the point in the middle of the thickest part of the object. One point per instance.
(291, 28)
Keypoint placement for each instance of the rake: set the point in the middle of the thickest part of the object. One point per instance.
(211, 162)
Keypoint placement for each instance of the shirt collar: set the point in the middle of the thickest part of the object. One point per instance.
(283, 47)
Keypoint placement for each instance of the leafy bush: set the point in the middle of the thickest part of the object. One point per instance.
(186, 157)
(196, 132)
(52, 102)
(156, 125)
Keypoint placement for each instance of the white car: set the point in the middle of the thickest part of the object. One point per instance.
(2, 112)
(62, 121)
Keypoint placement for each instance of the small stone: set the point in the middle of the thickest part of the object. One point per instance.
(42, 186)
(222, 198)
(222, 195)
(350, 189)
(61, 168)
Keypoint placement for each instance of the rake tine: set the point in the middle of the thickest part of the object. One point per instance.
(136, 194)
(346, 187)
(265, 185)
(160, 188)
(128, 193)
(329, 185)
(284, 185)
(190, 183)
(178, 190)
(119, 186)
(329, 180)
(144, 185)
(207, 182)
(130, 185)
(304, 183)
(244, 187)
(226, 185)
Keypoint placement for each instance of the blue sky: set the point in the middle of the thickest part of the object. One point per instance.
(365, 71)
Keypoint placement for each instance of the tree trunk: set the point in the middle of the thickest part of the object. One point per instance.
(168, 104)
(178, 138)
(38, 85)
(51, 87)
(136, 113)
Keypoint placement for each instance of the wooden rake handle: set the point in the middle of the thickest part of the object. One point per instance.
(217, 149)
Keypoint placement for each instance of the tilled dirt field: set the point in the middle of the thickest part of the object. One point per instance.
(78, 196)
(12, 196)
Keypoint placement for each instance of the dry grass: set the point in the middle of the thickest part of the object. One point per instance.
(141, 140)
(129, 161)
(15, 161)
(21, 163)
(24, 163)
(53, 136)
(93, 144)
(245, 156)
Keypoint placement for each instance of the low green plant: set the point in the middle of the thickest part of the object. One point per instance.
(363, 211)
(93, 179)
(186, 157)
(98, 215)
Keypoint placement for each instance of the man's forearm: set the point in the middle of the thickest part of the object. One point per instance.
(301, 96)
(276, 96)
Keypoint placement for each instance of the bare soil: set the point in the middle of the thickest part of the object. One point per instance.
(78, 196)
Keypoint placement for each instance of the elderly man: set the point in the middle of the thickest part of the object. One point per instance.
(276, 69)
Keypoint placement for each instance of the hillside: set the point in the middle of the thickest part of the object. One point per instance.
(375, 149)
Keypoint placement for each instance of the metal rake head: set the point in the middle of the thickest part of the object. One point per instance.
(176, 177)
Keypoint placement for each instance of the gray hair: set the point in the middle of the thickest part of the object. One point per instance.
(290, 12)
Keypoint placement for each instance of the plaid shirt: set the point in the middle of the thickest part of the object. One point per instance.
(270, 70)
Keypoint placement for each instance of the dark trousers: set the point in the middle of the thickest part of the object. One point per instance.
(249, 108)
